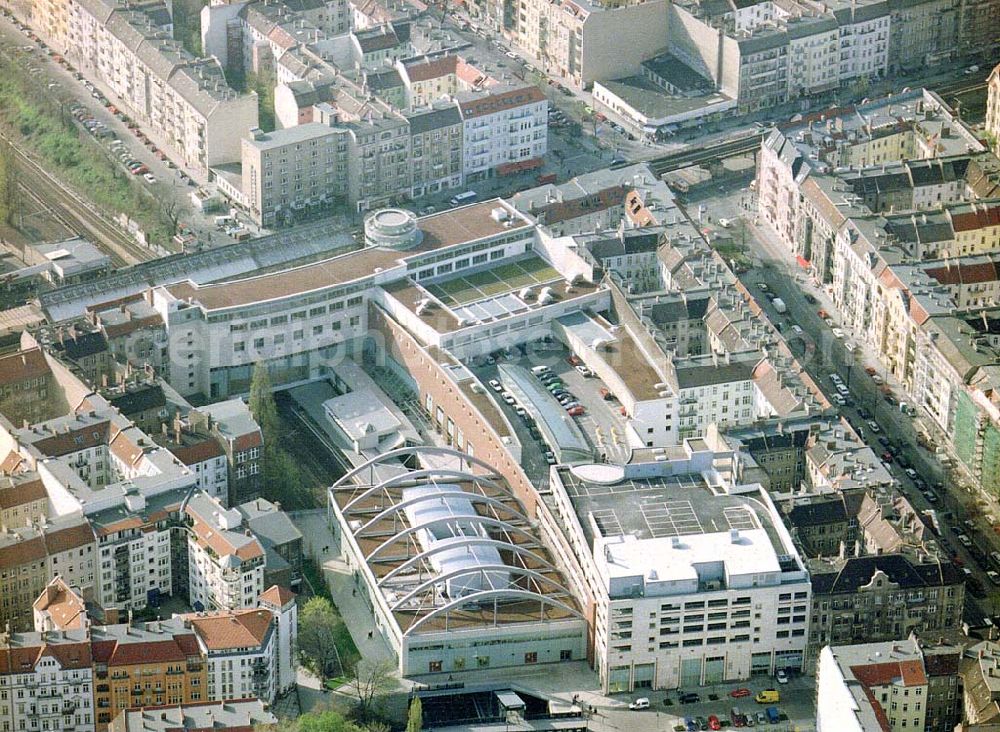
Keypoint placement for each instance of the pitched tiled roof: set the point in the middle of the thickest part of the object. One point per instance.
(277, 595)
(64, 606)
(237, 629)
(198, 452)
(19, 493)
(12, 463)
(83, 438)
(566, 210)
(911, 673)
(425, 69)
(501, 102)
(29, 364)
(148, 651)
(857, 572)
(73, 537)
(965, 273)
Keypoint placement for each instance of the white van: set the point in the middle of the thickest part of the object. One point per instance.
(539, 370)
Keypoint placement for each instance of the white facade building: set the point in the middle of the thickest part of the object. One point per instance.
(241, 648)
(692, 583)
(225, 565)
(505, 127)
(47, 682)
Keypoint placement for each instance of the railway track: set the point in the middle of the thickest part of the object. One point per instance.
(683, 158)
(76, 214)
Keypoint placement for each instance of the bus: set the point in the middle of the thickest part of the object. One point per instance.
(462, 198)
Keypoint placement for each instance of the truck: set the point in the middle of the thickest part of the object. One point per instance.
(779, 305)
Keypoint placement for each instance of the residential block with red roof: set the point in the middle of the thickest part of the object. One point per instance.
(226, 562)
(895, 686)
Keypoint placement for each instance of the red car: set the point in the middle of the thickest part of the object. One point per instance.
(887, 456)
(823, 314)
(573, 361)
(575, 411)
(713, 722)
(738, 693)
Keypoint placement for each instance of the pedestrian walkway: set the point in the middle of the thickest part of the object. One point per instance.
(339, 577)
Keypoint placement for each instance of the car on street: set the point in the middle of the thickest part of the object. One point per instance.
(762, 286)
(810, 299)
(688, 697)
(873, 426)
(714, 723)
(584, 371)
(149, 178)
(690, 724)
(761, 718)
(781, 676)
(496, 386)
(640, 703)
(910, 472)
(576, 411)
(739, 693)
(550, 457)
(994, 577)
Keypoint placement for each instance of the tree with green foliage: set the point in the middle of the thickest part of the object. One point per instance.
(263, 82)
(9, 193)
(415, 718)
(319, 626)
(328, 721)
(262, 405)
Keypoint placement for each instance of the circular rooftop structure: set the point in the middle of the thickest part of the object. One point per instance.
(395, 228)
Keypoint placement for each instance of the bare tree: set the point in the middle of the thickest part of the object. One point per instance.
(171, 212)
(370, 680)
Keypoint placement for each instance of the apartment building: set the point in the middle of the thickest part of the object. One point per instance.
(241, 653)
(202, 454)
(28, 389)
(993, 108)
(766, 54)
(895, 685)
(59, 607)
(152, 665)
(580, 42)
(47, 681)
(281, 540)
(506, 126)
(923, 33)
(302, 168)
(234, 428)
(726, 598)
(230, 715)
(184, 104)
(280, 601)
(437, 146)
(30, 555)
(877, 570)
(226, 565)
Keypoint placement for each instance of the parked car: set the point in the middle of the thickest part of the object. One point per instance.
(496, 386)
(576, 411)
(640, 703)
(739, 693)
(550, 458)
(714, 723)
(781, 676)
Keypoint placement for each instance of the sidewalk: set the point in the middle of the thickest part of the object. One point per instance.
(340, 582)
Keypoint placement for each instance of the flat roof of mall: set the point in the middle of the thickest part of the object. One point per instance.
(664, 507)
(446, 229)
(486, 294)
